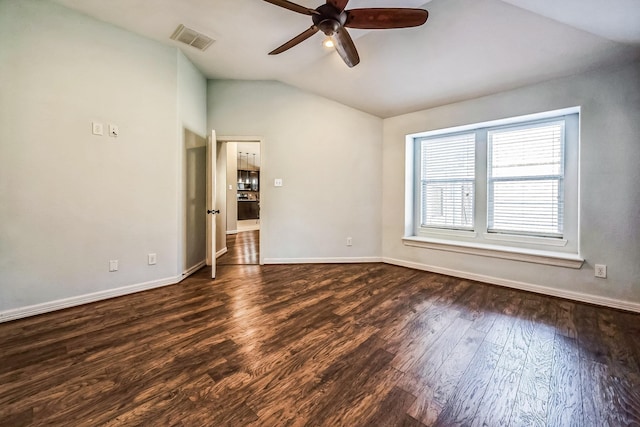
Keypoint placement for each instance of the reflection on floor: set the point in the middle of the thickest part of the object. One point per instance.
(242, 248)
(323, 345)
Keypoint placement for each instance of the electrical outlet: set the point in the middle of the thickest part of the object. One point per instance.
(277, 182)
(349, 241)
(113, 265)
(113, 131)
(152, 259)
(601, 271)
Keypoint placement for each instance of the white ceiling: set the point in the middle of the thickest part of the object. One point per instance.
(468, 48)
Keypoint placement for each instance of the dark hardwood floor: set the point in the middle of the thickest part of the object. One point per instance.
(242, 248)
(323, 345)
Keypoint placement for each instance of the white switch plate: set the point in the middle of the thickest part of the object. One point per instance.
(97, 128)
(113, 265)
(152, 259)
(277, 182)
(349, 241)
(113, 130)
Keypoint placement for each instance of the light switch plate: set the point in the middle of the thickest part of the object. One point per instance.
(277, 182)
(97, 128)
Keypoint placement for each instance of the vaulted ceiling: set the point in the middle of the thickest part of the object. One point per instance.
(467, 48)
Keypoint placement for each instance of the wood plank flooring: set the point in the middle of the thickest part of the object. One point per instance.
(323, 345)
(242, 248)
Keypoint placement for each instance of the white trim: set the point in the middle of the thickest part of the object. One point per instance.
(517, 254)
(447, 232)
(33, 310)
(523, 286)
(341, 260)
(544, 241)
(221, 252)
(499, 122)
(188, 272)
(232, 231)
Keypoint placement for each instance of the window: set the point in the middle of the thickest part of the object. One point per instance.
(448, 181)
(509, 185)
(525, 176)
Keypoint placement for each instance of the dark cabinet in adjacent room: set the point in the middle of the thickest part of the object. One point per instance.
(248, 209)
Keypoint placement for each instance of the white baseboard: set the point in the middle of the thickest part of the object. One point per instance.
(340, 260)
(575, 296)
(33, 310)
(221, 252)
(232, 231)
(188, 272)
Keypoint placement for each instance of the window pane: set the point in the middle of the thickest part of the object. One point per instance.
(525, 179)
(448, 205)
(535, 151)
(527, 206)
(447, 181)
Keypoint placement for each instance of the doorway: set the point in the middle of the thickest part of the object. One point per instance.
(242, 219)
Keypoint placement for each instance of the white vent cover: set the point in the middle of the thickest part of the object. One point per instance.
(191, 37)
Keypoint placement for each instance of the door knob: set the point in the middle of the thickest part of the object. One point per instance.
(213, 212)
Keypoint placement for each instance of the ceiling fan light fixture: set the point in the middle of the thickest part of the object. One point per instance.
(333, 20)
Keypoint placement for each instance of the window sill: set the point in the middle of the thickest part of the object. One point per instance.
(495, 251)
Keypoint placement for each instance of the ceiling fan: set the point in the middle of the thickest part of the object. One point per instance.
(332, 19)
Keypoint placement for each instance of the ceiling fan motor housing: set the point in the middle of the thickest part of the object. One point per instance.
(329, 19)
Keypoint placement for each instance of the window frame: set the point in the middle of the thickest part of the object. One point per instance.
(555, 250)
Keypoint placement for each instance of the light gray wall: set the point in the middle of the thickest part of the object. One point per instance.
(609, 179)
(71, 201)
(231, 204)
(192, 97)
(328, 156)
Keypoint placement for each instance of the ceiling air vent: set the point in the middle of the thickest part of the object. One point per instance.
(191, 37)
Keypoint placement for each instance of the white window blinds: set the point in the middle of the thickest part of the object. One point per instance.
(447, 181)
(525, 179)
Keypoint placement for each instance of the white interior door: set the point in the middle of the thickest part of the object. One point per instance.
(211, 202)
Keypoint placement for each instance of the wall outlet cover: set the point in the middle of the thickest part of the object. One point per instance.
(601, 271)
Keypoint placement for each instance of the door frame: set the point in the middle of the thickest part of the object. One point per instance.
(259, 140)
(212, 205)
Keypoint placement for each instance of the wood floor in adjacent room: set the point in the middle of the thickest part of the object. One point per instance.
(323, 345)
(242, 248)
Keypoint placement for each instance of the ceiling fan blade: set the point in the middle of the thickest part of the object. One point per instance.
(292, 6)
(294, 41)
(382, 18)
(338, 4)
(345, 47)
